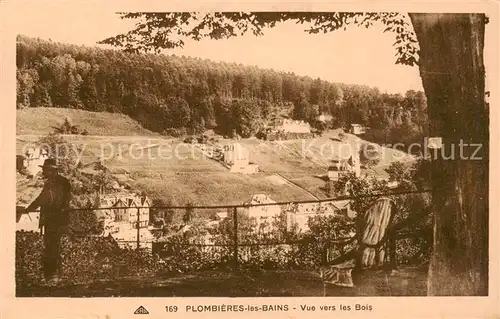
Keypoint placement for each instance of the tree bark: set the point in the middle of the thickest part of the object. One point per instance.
(453, 76)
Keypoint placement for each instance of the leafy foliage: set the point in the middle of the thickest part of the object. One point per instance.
(68, 128)
(103, 259)
(159, 31)
(66, 153)
(264, 244)
(369, 154)
(412, 212)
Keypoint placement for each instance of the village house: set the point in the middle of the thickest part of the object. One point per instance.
(127, 238)
(292, 126)
(357, 129)
(237, 158)
(107, 219)
(308, 208)
(304, 211)
(33, 157)
(342, 166)
(236, 154)
(122, 221)
(336, 171)
(144, 203)
(263, 213)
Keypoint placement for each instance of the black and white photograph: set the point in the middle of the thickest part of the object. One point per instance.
(204, 153)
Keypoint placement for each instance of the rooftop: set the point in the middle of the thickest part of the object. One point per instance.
(260, 199)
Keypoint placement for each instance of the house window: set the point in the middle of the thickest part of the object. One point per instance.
(343, 211)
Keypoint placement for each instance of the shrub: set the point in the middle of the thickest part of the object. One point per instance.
(65, 152)
(369, 154)
(83, 259)
(175, 132)
(29, 248)
(267, 246)
(68, 128)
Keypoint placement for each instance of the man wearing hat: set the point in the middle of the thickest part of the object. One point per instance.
(54, 217)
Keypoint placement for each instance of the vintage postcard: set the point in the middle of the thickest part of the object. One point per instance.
(249, 159)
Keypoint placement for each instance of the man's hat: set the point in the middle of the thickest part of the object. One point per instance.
(49, 163)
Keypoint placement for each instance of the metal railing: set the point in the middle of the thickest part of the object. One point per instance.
(212, 241)
(238, 239)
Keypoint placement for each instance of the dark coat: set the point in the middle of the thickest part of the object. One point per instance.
(54, 203)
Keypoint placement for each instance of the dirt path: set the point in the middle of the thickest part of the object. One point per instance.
(289, 182)
(304, 283)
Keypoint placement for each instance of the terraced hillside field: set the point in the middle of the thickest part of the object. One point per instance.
(168, 169)
(175, 171)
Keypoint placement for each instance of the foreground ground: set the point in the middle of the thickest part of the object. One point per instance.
(405, 282)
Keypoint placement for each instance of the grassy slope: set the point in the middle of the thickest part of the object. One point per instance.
(189, 176)
(305, 162)
(186, 177)
(42, 120)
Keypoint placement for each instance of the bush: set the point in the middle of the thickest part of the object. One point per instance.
(369, 154)
(64, 151)
(68, 128)
(83, 259)
(413, 250)
(29, 248)
(190, 140)
(281, 249)
(175, 132)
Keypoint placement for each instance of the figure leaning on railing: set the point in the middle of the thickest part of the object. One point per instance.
(54, 217)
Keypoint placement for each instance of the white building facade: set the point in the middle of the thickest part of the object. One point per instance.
(126, 220)
(262, 213)
(34, 157)
(237, 158)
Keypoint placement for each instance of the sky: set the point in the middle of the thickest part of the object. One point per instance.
(356, 56)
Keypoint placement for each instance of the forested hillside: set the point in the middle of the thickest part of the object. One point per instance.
(177, 95)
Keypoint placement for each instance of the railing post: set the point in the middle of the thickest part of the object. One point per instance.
(138, 228)
(235, 246)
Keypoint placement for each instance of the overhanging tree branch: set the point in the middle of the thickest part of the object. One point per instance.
(155, 32)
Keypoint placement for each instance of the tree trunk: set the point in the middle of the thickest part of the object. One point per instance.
(453, 76)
